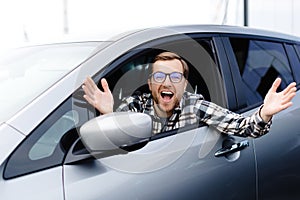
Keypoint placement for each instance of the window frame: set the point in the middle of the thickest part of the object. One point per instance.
(294, 56)
(139, 50)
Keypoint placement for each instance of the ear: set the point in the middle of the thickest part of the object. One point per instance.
(185, 84)
(149, 84)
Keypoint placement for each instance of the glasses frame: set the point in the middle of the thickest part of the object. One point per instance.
(167, 74)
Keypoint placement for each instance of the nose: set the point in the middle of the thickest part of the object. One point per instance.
(167, 81)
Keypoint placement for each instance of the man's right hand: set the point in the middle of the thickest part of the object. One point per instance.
(103, 101)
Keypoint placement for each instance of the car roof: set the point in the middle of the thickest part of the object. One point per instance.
(171, 30)
(201, 28)
(229, 29)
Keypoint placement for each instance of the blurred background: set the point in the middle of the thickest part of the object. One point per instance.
(43, 20)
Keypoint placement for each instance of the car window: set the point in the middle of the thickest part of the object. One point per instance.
(130, 76)
(296, 61)
(47, 143)
(298, 50)
(260, 63)
(43, 148)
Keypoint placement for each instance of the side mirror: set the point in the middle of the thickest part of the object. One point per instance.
(119, 129)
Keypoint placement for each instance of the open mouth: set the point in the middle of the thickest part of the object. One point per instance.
(166, 95)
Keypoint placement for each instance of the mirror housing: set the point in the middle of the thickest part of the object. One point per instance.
(115, 130)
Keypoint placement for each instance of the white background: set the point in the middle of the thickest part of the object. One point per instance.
(24, 21)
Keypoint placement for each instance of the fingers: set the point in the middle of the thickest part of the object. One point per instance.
(285, 106)
(91, 89)
(288, 97)
(88, 87)
(288, 91)
(288, 94)
(275, 85)
(105, 85)
(290, 88)
(88, 99)
(87, 91)
(90, 83)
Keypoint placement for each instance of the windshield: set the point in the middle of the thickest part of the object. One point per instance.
(26, 72)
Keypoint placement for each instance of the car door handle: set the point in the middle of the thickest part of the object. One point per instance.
(232, 148)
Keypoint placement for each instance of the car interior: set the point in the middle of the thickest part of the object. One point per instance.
(131, 78)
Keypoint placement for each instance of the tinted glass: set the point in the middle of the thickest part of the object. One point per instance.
(260, 63)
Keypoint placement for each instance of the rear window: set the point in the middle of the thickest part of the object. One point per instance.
(260, 63)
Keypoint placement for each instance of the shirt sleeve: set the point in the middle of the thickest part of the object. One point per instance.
(232, 123)
(128, 104)
(133, 103)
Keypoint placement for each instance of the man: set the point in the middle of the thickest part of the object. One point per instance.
(170, 106)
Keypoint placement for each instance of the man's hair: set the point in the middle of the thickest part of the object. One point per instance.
(171, 56)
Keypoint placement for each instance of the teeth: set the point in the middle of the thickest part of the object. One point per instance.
(168, 93)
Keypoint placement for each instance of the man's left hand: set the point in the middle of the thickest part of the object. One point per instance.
(275, 102)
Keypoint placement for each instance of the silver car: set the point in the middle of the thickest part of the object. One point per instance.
(54, 145)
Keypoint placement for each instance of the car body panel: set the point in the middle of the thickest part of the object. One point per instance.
(278, 167)
(11, 139)
(46, 184)
(181, 161)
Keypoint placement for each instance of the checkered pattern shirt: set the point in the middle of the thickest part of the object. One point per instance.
(192, 110)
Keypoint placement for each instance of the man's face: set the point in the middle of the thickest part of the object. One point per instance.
(167, 94)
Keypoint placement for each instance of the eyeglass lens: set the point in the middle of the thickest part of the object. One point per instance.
(160, 77)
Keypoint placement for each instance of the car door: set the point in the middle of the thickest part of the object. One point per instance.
(178, 164)
(258, 62)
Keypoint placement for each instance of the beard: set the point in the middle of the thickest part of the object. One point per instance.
(163, 109)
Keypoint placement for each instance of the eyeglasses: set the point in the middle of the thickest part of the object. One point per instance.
(160, 77)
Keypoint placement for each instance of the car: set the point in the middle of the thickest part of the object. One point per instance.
(57, 146)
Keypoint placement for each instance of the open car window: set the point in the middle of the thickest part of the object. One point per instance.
(129, 76)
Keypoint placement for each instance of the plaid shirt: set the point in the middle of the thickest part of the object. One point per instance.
(192, 110)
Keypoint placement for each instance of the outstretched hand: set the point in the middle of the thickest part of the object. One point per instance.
(275, 102)
(101, 100)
